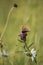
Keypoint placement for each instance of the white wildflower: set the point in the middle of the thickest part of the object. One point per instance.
(33, 52)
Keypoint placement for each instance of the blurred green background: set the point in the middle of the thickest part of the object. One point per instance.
(29, 13)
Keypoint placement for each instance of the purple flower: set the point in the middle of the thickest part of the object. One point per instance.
(23, 35)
